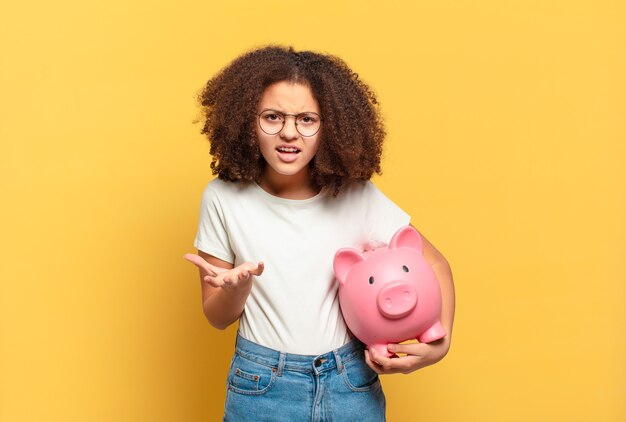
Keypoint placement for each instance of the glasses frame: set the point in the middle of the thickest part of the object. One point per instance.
(285, 115)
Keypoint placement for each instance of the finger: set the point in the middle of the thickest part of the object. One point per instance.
(217, 270)
(213, 281)
(414, 349)
(244, 273)
(402, 364)
(384, 362)
(388, 366)
(199, 262)
(395, 364)
(259, 269)
(375, 367)
(376, 357)
(195, 259)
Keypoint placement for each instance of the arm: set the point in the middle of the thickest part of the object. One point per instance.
(419, 355)
(224, 288)
(442, 270)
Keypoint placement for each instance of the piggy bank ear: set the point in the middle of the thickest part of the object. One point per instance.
(344, 260)
(407, 237)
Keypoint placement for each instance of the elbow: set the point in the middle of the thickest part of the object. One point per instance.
(216, 322)
(219, 325)
(220, 314)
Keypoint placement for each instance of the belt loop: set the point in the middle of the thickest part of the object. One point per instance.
(338, 361)
(281, 364)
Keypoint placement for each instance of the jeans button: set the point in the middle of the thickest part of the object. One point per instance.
(317, 362)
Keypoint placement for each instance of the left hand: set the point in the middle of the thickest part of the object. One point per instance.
(418, 355)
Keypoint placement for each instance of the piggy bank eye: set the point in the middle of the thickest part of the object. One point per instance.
(371, 280)
(404, 267)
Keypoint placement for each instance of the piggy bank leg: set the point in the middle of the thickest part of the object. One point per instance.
(381, 349)
(435, 332)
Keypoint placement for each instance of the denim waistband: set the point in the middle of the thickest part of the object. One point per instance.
(282, 361)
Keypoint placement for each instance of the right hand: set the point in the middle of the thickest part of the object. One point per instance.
(240, 276)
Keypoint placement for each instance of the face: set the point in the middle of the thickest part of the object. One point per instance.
(287, 153)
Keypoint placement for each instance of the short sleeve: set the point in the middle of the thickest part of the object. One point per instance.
(384, 217)
(212, 236)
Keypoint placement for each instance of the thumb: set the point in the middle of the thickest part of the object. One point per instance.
(198, 261)
(414, 349)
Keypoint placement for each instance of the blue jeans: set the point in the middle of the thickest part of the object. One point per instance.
(267, 385)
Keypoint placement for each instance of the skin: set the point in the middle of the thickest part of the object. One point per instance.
(225, 288)
(288, 180)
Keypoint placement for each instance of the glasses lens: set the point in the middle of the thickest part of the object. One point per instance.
(308, 123)
(271, 122)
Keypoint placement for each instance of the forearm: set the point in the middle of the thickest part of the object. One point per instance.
(225, 306)
(443, 272)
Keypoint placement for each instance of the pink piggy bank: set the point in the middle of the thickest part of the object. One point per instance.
(390, 294)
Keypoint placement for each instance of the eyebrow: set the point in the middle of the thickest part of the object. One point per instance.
(290, 114)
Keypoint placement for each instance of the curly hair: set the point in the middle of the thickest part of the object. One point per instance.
(352, 129)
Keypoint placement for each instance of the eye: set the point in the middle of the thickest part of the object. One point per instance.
(404, 267)
(307, 119)
(272, 116)
(371, 280)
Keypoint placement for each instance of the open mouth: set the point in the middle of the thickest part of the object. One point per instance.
(288, 150)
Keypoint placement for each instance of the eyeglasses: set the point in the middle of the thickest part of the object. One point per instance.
(273, 121)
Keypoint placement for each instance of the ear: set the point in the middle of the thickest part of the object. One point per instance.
(407, 237)
(344, 260)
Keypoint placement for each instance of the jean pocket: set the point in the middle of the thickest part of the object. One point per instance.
(358, 376)
(249, 377)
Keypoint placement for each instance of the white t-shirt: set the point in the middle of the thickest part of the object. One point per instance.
(293, 306)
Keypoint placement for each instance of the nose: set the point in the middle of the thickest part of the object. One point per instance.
(289, 130)
(397, 299)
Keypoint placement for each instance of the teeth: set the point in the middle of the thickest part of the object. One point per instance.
(288, 149)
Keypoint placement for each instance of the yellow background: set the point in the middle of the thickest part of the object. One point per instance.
(507, 145)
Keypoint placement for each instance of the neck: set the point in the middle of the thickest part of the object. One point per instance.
(297, 186)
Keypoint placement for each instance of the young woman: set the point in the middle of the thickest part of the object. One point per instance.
(295, 138)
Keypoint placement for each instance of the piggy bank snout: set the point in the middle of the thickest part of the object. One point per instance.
(397, 299)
